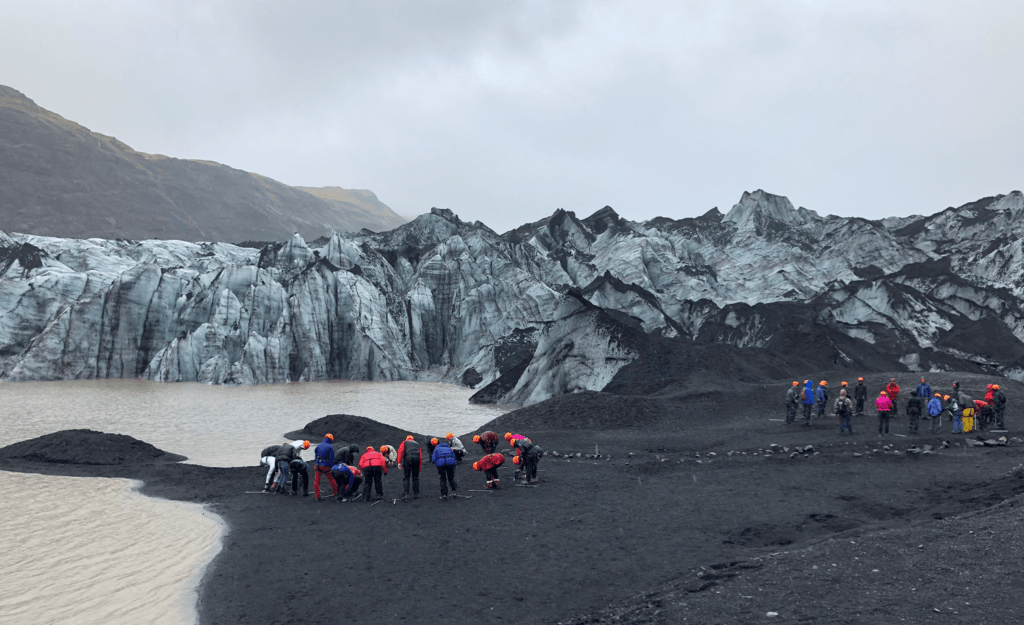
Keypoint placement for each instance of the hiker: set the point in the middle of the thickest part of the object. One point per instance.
(511, 439)
(324, 453)
(527, 456)
(444, 459)
(953, 409)
(986, 414)
(990, 393)
(844, 411)
(299, 468)
(488, 441)
(935, 412)
(892, 389)
(924, 390)
(956, 389)
(374, 467)
(821, 397)
(967, 410)
(348, 455)
(792, 401)
(884, 406)
(284, 456)
(999, 405)
(860, 395)
(268, 459)
(410, 460)
(457, 447)
(349, 477)
(807, 399)
(390, 454)
(915, 405)
(489, 465)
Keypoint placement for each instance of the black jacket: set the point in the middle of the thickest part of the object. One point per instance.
(999, 398)
(915, 405)
(270, 451)
(860, 392)
(349, 456)
(286, 453)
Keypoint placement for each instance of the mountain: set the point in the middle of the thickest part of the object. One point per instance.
(57, 178)
(557, 306)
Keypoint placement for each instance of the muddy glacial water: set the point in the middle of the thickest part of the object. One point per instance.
(91, 550)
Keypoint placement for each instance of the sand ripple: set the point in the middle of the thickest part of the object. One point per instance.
(93, 550)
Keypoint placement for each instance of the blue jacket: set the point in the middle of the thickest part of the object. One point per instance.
(325, 453)
(810, 393)
(821, 394)
(923, 390)
(343, 469)
(935, 407)
(443, 456)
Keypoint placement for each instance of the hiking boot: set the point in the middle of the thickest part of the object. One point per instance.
(443, 497)
(316, 499)
(305, 494)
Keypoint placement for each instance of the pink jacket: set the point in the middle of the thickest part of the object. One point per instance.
(883, 403)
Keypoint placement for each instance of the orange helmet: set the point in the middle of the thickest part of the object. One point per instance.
(449, 436)
(844, 383)
(476, 438)
(508, 436)
(806, 381)
(995, 387)
(476, 467)
(884, 393)
(329, 436)
(946, 397)
(369, 449)
(305, 444)
(823, 383)
(433, 441)
(515, 460)
(938, 394)
(409, 438)
(795, 383)
(860, 379)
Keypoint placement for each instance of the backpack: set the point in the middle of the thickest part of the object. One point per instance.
(803, 394)
(934, 407)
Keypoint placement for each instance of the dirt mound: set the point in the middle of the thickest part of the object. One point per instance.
(87, 447)
(351, 429)
(589, 410)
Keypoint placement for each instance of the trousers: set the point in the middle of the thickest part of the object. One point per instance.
(883, 421)
(330, 478)
(447, 474)
(373, 476)
(412, 475)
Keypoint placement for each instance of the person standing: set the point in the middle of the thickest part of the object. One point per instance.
(892, 389)
(457, 447)
(489, 465)
(884, 406)
(999, 404)
(914, 407)
(953, 408)
(444, 459)
(488, 441)
(807, 399)
(990, 393)
(844, 411)
(374, 469)
(349, 478)
(935, 412)
(924, 390)
(821, 398)
(324, 453)
(860, 395)
(410, 460)
(792, 401)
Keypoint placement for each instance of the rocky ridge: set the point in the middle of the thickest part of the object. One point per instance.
(557, 306)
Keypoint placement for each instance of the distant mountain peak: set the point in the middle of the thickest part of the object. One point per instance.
(756, 210)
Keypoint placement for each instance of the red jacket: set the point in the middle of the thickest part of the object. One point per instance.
(893, 390)
(373, 459)
(990, 395)
(490, 461)
(401, 454)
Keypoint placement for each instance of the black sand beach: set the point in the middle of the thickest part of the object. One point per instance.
(677, 521)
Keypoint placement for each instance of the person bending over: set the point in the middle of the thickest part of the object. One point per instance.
(489, 465)
(349, 478)
(444, 459)
(268, 459)
(374, 467)
(457, 447)
(488, 441)
(410, 461)
(299, 470)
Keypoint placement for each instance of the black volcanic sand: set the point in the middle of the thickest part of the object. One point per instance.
(632, 531)
(86, 447)
(349, 429)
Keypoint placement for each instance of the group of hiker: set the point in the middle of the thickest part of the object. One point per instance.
(966, 413)
(347, 470)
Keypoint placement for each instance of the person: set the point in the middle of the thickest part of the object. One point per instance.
(807, 398)
(792, 401)
(349, 455)
(410, 460)
(299, 469)
(860, 395)
(985, 414)
(284, 456)
(527, 456)
(374, 468)
(844, 410)
(268, 459)
(444, 459)
(489, 465)
(892, 389)
(924, 390)
(324, 453)
(990, 393)
(935, 412)
(457, 447)
(390, 454)
(349, 477)
(967, 412)
(999, 404)
(511, 438)
(914, 407)
(884, 406)
(956, 389)
(821, 397)
(954, 414)
(488, 441)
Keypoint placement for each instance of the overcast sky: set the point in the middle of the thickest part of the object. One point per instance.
(504, 111)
